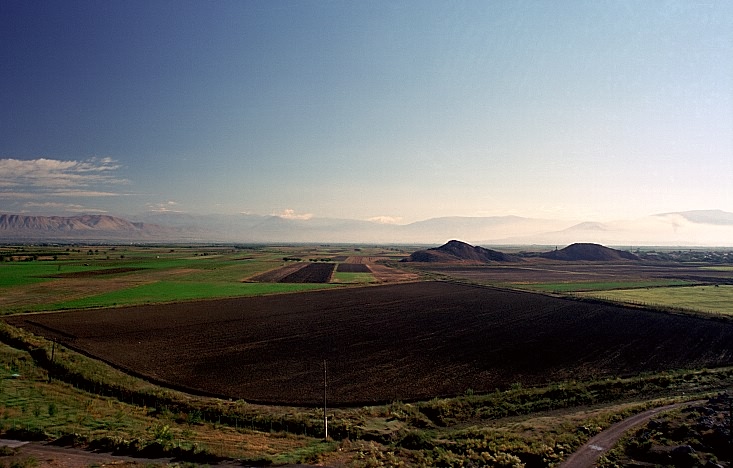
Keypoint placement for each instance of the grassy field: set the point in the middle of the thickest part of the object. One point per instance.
(714, 299)
(33, 405)
(718, 268)
(53, 278)
(598, 286)
(353, 278)
(170, 291)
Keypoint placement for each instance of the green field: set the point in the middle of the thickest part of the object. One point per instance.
(713, 299)
(718, 268)
(353, 278)
(53, 278)
(169, 291)
(23, 273)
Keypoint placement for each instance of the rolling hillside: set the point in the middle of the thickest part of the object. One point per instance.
(459, 252)
(589, 252)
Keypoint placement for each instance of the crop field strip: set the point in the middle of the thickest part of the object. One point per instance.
(103, 276)
(544, 272)
(299, 272)
(711, 299)
(353, 268)
(395, 342)
(312, 273)
(274, 276)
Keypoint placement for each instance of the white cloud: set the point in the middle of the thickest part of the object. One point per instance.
(83, 193)
(386, 219)
(290, 214)
(56, 206)
(165, 207)
(59, 178)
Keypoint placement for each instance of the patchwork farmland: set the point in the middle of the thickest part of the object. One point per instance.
(395, 342)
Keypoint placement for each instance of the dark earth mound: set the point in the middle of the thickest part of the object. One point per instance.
(589, 252)
(457, 251)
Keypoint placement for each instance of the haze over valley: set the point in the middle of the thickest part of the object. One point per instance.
(696, 228)
(254, 121)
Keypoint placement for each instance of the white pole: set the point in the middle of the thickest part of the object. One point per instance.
(325, 417)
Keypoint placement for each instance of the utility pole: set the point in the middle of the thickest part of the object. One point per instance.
(325, 396)
(730, 427)
(53, 356)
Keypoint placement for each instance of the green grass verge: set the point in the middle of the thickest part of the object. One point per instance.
(353, 278)
(169, 291)
(718, 268)
(708, 299)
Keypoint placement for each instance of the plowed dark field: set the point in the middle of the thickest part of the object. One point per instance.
(312, 273)
(406, 341)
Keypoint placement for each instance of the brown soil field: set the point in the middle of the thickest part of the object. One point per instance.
(93, 273)
(312, 273)
(274, 276)
(364, 259)
(353, 268)
(543, 271)
(387, 274)
(384, 343)
(380, 271)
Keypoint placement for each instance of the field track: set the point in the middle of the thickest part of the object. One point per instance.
(384, 343)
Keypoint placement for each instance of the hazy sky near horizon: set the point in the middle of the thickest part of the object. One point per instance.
(397, 111)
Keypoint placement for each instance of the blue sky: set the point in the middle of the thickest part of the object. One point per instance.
(397, 111)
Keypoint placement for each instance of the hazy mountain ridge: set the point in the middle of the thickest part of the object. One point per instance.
(80, 227)
(701, 227)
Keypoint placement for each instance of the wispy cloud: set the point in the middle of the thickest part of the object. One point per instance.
(57, 206)
(291, 214)
(165, 207)
(385, 219)
(52, 184)
(57, 177)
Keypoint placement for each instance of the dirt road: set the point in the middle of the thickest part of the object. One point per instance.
(587, 455)
(64, 457)
(52, 456)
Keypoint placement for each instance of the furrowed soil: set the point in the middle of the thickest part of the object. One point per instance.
(543, 271)
(312, 273)
(384, 343)
(274, 276)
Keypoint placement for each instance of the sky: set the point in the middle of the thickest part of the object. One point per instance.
(392, 111)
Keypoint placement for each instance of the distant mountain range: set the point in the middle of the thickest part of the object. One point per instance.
(689, 228)
(81, 227)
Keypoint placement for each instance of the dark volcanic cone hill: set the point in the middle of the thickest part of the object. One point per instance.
(589, 252)
(459, 252)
